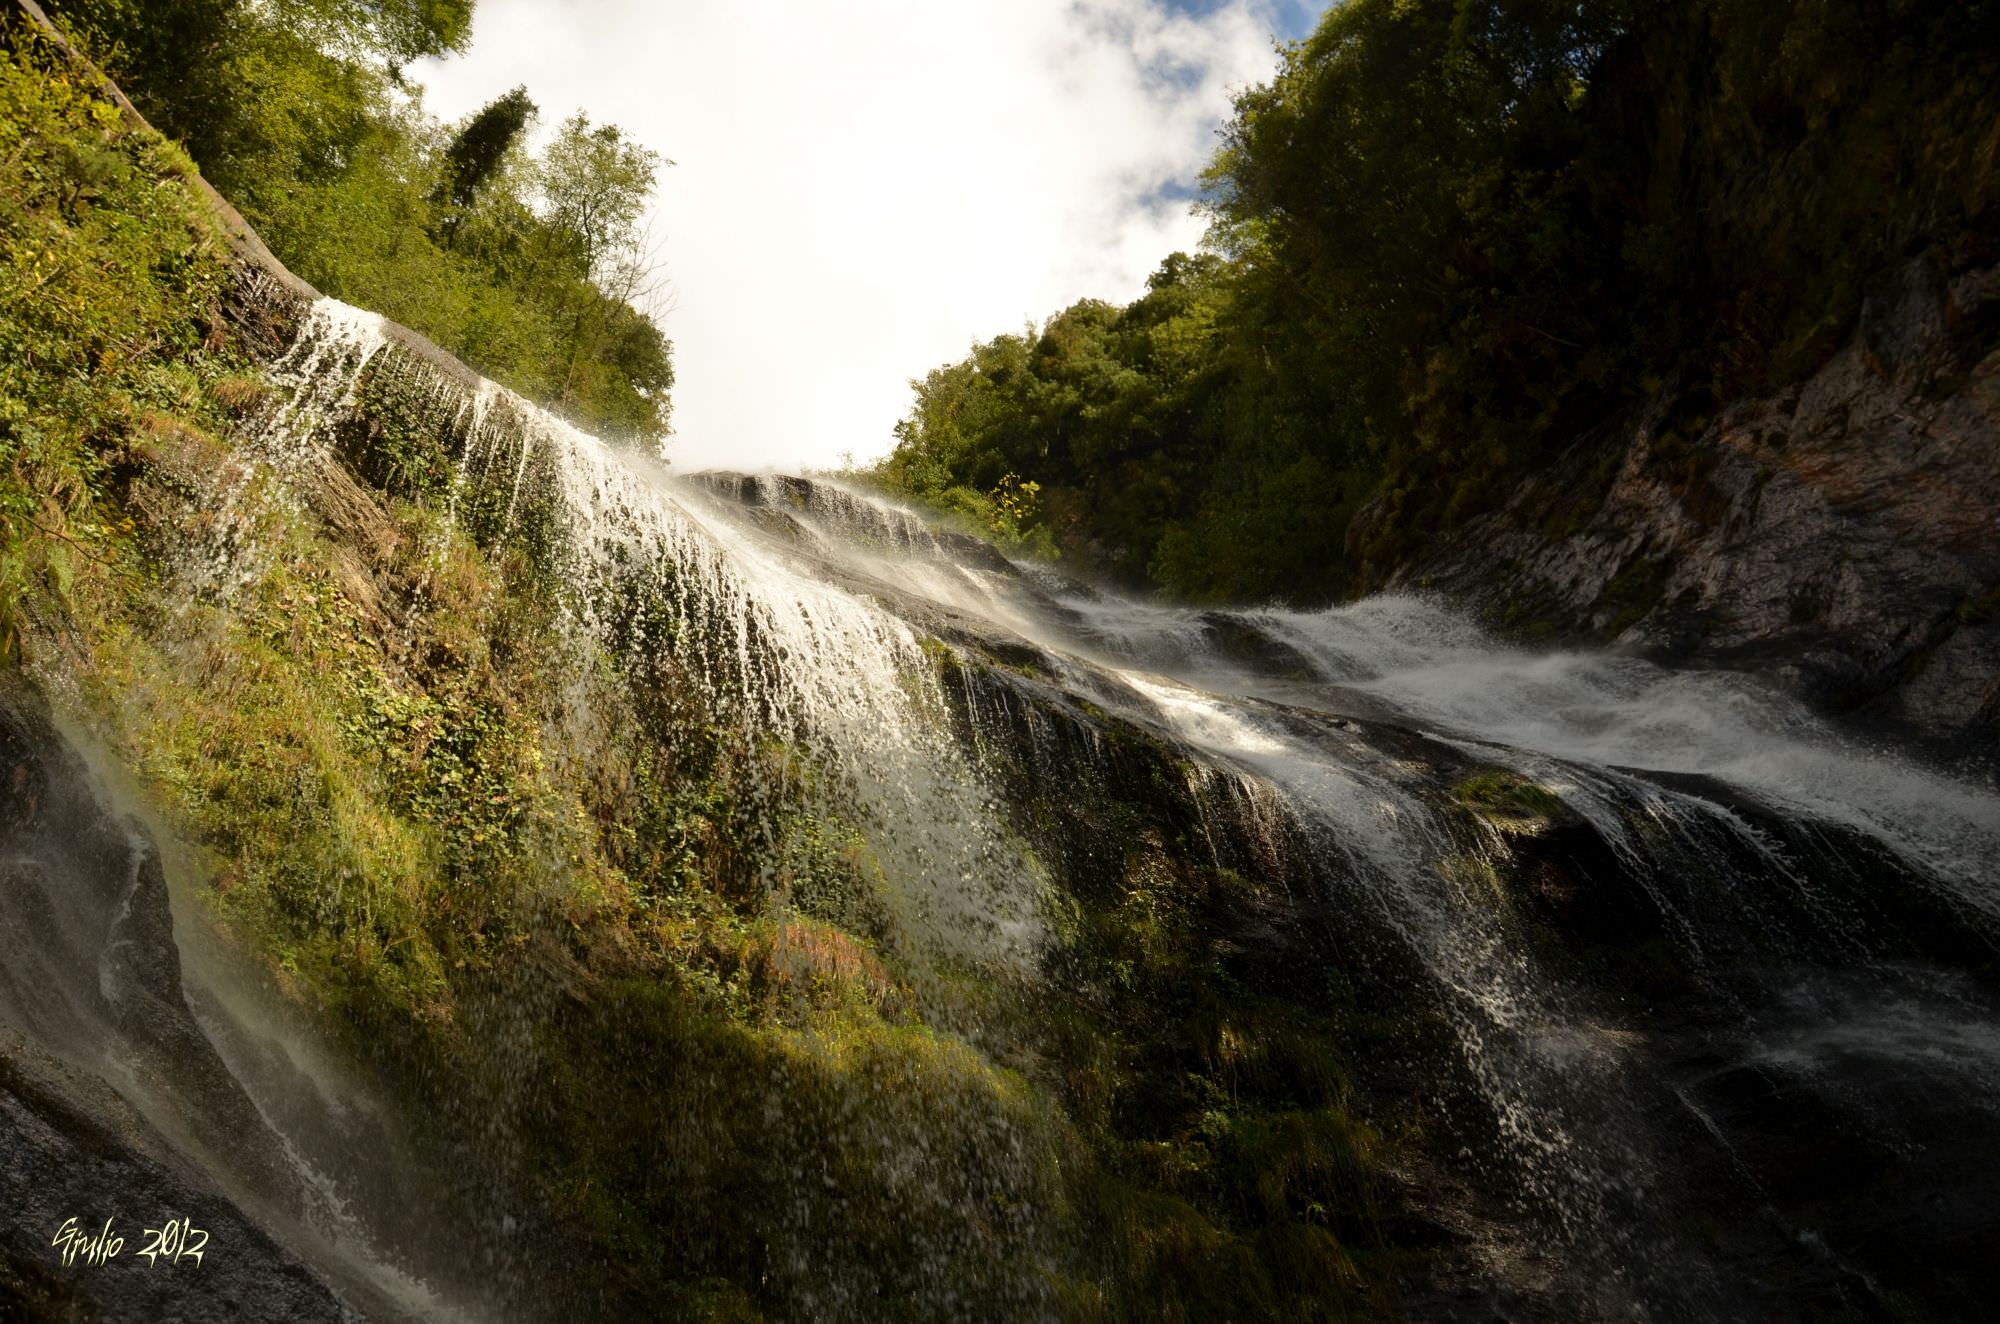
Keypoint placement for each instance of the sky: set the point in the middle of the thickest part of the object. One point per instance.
(861, 190)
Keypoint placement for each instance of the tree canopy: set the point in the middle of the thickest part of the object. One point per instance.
(1453, 239)
(533, 269)
(480, 147)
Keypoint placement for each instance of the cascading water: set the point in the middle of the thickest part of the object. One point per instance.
(1756, 834)
(648, 568)
(1823, 915)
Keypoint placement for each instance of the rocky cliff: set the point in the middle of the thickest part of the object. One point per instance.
(116, 1114)
(1842, 536)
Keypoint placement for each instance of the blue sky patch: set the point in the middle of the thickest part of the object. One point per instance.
(1291, 19)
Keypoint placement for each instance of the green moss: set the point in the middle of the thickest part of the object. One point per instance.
(1575, 504)
(110, 275)
(1633, 592)
(1981, 609)
(1499, 792)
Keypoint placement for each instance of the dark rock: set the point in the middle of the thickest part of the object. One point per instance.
(71, 1148)
(91, 994)
(1843, 535)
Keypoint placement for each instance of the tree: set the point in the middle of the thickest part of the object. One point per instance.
(411, 29)
(476, 152)
(394, 31)
(594, 184)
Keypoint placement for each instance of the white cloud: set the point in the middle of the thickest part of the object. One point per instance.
(863, 189)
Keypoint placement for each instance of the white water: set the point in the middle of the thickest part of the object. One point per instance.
(1444, 674)
(1621, 712)
(824, 670)
(813, 627)
(1569, 1096)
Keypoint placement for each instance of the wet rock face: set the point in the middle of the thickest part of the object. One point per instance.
(867, 524)
(90, 993)
(89, 944)
(1765, 1081)
(1844, 534)
(71, 1149)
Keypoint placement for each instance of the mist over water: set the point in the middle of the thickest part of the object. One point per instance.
(1336, 743)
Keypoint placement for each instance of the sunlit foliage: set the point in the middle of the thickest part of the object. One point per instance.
(536, 271)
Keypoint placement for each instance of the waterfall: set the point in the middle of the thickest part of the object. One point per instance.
(651, 564)
(1819, 910)
(1769, 846)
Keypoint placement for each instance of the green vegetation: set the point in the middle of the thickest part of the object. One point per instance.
(625, 959)
(1457, 239)
(1500, 794)
(110, 274)
(533, 269)
(1161, 438)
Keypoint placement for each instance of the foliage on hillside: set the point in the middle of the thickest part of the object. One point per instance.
(533, 269)
(110, 272)
(1454, 239)
(1160, 435)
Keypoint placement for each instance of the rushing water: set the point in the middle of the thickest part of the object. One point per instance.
(809, 612)
(1683, 774)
